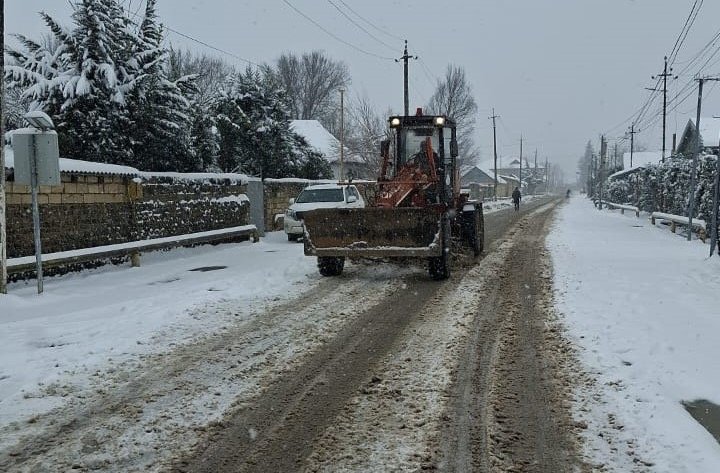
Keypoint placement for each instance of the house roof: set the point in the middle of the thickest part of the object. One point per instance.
(319, 138)
(80, 167)
(709, 130)
(488, 172)
(641, 158)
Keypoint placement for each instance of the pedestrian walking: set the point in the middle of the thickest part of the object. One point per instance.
(516, 197)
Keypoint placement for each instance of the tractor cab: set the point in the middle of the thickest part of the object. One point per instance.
(420, 156)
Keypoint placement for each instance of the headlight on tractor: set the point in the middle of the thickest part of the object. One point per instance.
(439, 121)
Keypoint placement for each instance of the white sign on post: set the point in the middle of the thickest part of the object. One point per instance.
(37, 162)
(43, 145)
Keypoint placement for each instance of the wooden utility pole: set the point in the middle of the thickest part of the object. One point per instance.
(342, 134)
(405, 58)
(632, 132)
(521, 162)
(665, 74)
(3, 218)
(696, 154)
(493, 118)
(547, 176)
(715, 209)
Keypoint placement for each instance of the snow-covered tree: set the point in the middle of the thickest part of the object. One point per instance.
(364, 130)
(253, 125)
(311, 82)
(105, 85)
(159, 107)
(454, 97)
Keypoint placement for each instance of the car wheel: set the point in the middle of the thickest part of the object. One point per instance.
(293, 236)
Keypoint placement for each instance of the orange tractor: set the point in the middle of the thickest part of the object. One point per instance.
(419, 212)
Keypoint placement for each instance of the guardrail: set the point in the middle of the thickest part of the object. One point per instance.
(676, 220)
(131, 249)
(623, 208)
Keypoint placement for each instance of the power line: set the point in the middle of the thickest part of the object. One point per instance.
(372, 25)
(685, 29)
(203, 43)
(361, 27)
(332, 35)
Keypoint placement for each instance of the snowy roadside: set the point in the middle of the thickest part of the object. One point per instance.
(641, 305)
(90, 321)
(490, 206)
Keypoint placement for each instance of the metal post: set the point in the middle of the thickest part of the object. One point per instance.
(3, 218)
(696, 154)
(36, 214)
(716, 202)
(342, 134)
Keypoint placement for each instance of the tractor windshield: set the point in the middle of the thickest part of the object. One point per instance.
(412, 140)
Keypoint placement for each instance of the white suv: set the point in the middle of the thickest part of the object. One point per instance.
(320, 196)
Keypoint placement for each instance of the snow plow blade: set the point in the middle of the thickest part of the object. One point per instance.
(373, 232)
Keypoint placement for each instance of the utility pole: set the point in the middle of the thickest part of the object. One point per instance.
(405, 58)
(495, 152)
(633, 132)
(603, 155)
(615, 157)
(342, 134)
(665, 74)
(547, 177)
(535, 172)
(3, 220)
(715, 204)
(521, 162)
(696, 154)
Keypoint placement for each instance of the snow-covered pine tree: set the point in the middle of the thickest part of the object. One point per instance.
(159, 108)
(253, 124)
(82, 82)
(106, 86)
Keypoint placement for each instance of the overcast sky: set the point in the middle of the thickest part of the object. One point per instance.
(559, 71)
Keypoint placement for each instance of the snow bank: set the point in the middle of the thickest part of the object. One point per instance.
(642, 305)
(88, 321)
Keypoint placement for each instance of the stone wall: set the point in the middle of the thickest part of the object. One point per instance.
(172, 206)
(278, 192)
(90, 210)
(83, 211)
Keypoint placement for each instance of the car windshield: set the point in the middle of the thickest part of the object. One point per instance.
(320, 195)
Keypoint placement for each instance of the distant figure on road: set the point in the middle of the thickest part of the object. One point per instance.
(516, 197)
(567, 194)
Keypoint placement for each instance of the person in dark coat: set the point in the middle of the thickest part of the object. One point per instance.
(516, 197)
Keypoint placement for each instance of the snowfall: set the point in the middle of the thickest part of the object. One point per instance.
(639, 302)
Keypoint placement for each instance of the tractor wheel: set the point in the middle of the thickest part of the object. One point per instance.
(439, 267)
(478, 233)
(473, 231)
(330, 265)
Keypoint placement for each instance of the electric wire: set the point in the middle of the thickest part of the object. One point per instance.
(361, 27)
(202, 43)
(685, 30)
(372, 25)
(333, 35)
